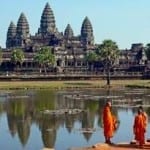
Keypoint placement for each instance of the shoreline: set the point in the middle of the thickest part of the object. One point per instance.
(74, 84)
(118, 146)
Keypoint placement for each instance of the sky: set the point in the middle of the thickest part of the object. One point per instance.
(123, 21)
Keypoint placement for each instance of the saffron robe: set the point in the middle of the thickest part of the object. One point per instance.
(145, 117)
(139, 128)
(109, 122)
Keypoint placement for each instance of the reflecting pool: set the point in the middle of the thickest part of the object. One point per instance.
(34, 119)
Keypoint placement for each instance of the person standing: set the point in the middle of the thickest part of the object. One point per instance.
(145, 117)
(139, 127)
(109, 123)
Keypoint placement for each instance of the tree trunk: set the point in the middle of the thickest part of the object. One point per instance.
(45, 70)
(40, 70)
(108, 76)
(91, 66)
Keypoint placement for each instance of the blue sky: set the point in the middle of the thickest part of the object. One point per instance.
(124, 21)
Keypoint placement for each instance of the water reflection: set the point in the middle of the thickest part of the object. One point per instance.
(25, 111)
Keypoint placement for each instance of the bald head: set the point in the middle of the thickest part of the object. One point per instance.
(108, 103)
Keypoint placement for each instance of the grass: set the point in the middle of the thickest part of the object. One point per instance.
(72, 84)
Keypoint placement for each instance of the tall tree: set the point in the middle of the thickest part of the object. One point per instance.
(17, 56)
(147, 50)
(44, 58)
(108, 53)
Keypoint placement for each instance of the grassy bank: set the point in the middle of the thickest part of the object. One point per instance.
(73, 84)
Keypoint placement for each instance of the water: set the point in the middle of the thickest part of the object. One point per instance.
(25, 126)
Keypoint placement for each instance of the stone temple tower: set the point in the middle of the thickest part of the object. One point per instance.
(11, 34)
(68, 32)
(47, 24)
(87, 37)
(22, 32)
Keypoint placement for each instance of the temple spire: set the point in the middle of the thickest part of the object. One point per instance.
(22, 27)
(47, 24)
(11, 33)
(87, 37)
(68, 32)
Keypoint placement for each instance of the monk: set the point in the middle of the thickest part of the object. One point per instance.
(145, 117)
(109, 122)
(139, 128)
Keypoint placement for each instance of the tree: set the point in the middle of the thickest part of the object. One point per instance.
(44, 58)
(91, 57)
(147, 50)
(17, 56)
(1, 56)
(108, 53)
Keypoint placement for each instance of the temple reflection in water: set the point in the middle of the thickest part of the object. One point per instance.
(23, 113)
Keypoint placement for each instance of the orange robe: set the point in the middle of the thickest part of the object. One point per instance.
(139, 128)
(109, 122)
(145, 119)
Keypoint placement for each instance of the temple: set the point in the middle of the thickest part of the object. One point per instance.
(47, 34)
(69, 49)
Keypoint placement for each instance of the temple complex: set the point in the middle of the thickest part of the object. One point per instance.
(69, 49)
(47, 34)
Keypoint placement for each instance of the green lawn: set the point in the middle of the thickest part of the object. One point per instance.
(73, 84)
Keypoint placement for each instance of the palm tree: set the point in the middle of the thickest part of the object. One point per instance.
(147, 50)
(91, 57)
(108, 53)
(1, 56)
(44, 58)
(17, 56)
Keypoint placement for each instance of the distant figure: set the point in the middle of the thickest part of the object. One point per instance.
(139, 127)
(109, 122)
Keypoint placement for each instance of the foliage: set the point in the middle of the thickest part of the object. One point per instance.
(17, 56)
(108, 54)
(147, 50)
(91, 56)
(44, 57)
